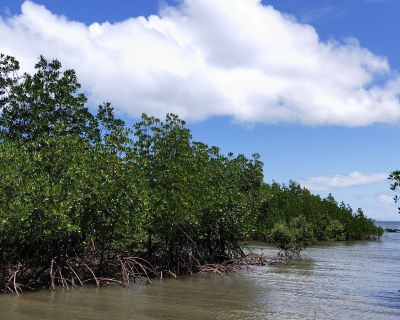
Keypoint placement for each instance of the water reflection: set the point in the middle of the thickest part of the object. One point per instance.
(357, 280)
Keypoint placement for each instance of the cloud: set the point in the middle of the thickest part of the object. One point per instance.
(314, 14)
(385, 199)
(327, 182)
(208, 58)
(7, 11)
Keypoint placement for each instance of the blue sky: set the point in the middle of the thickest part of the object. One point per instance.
(313, 85)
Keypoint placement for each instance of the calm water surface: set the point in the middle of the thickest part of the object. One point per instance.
(344, 280)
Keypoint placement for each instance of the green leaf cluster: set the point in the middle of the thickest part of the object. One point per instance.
(395, 177)
(293, 237)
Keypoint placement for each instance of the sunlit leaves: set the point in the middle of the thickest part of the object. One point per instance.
(46, 103)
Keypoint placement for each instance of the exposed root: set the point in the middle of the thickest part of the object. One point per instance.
(117, 267)
(90, 266)
(11, 285)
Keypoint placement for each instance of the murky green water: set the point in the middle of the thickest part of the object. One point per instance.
(346, 280)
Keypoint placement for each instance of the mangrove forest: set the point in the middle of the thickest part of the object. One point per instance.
(85, 199)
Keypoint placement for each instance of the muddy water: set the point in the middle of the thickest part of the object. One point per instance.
(346, 280)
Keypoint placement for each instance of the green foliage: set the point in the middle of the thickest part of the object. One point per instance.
(192, 189)
(294, 236)
(395, 176)
(65, 193)
(47, 103)
(334, 231)
(330, 220)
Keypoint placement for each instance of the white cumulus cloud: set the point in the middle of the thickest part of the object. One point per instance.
(385, 199)
(327, 182)
(206, 58)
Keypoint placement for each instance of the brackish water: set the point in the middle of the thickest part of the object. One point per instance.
(340, 280)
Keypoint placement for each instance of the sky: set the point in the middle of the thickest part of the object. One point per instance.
(313, 86)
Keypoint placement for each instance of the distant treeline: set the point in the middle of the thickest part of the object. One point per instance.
(295, 218)
(75, 185)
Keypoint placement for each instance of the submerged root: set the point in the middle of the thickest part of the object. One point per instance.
(244, 264)
(230, 266)
(259, 259)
